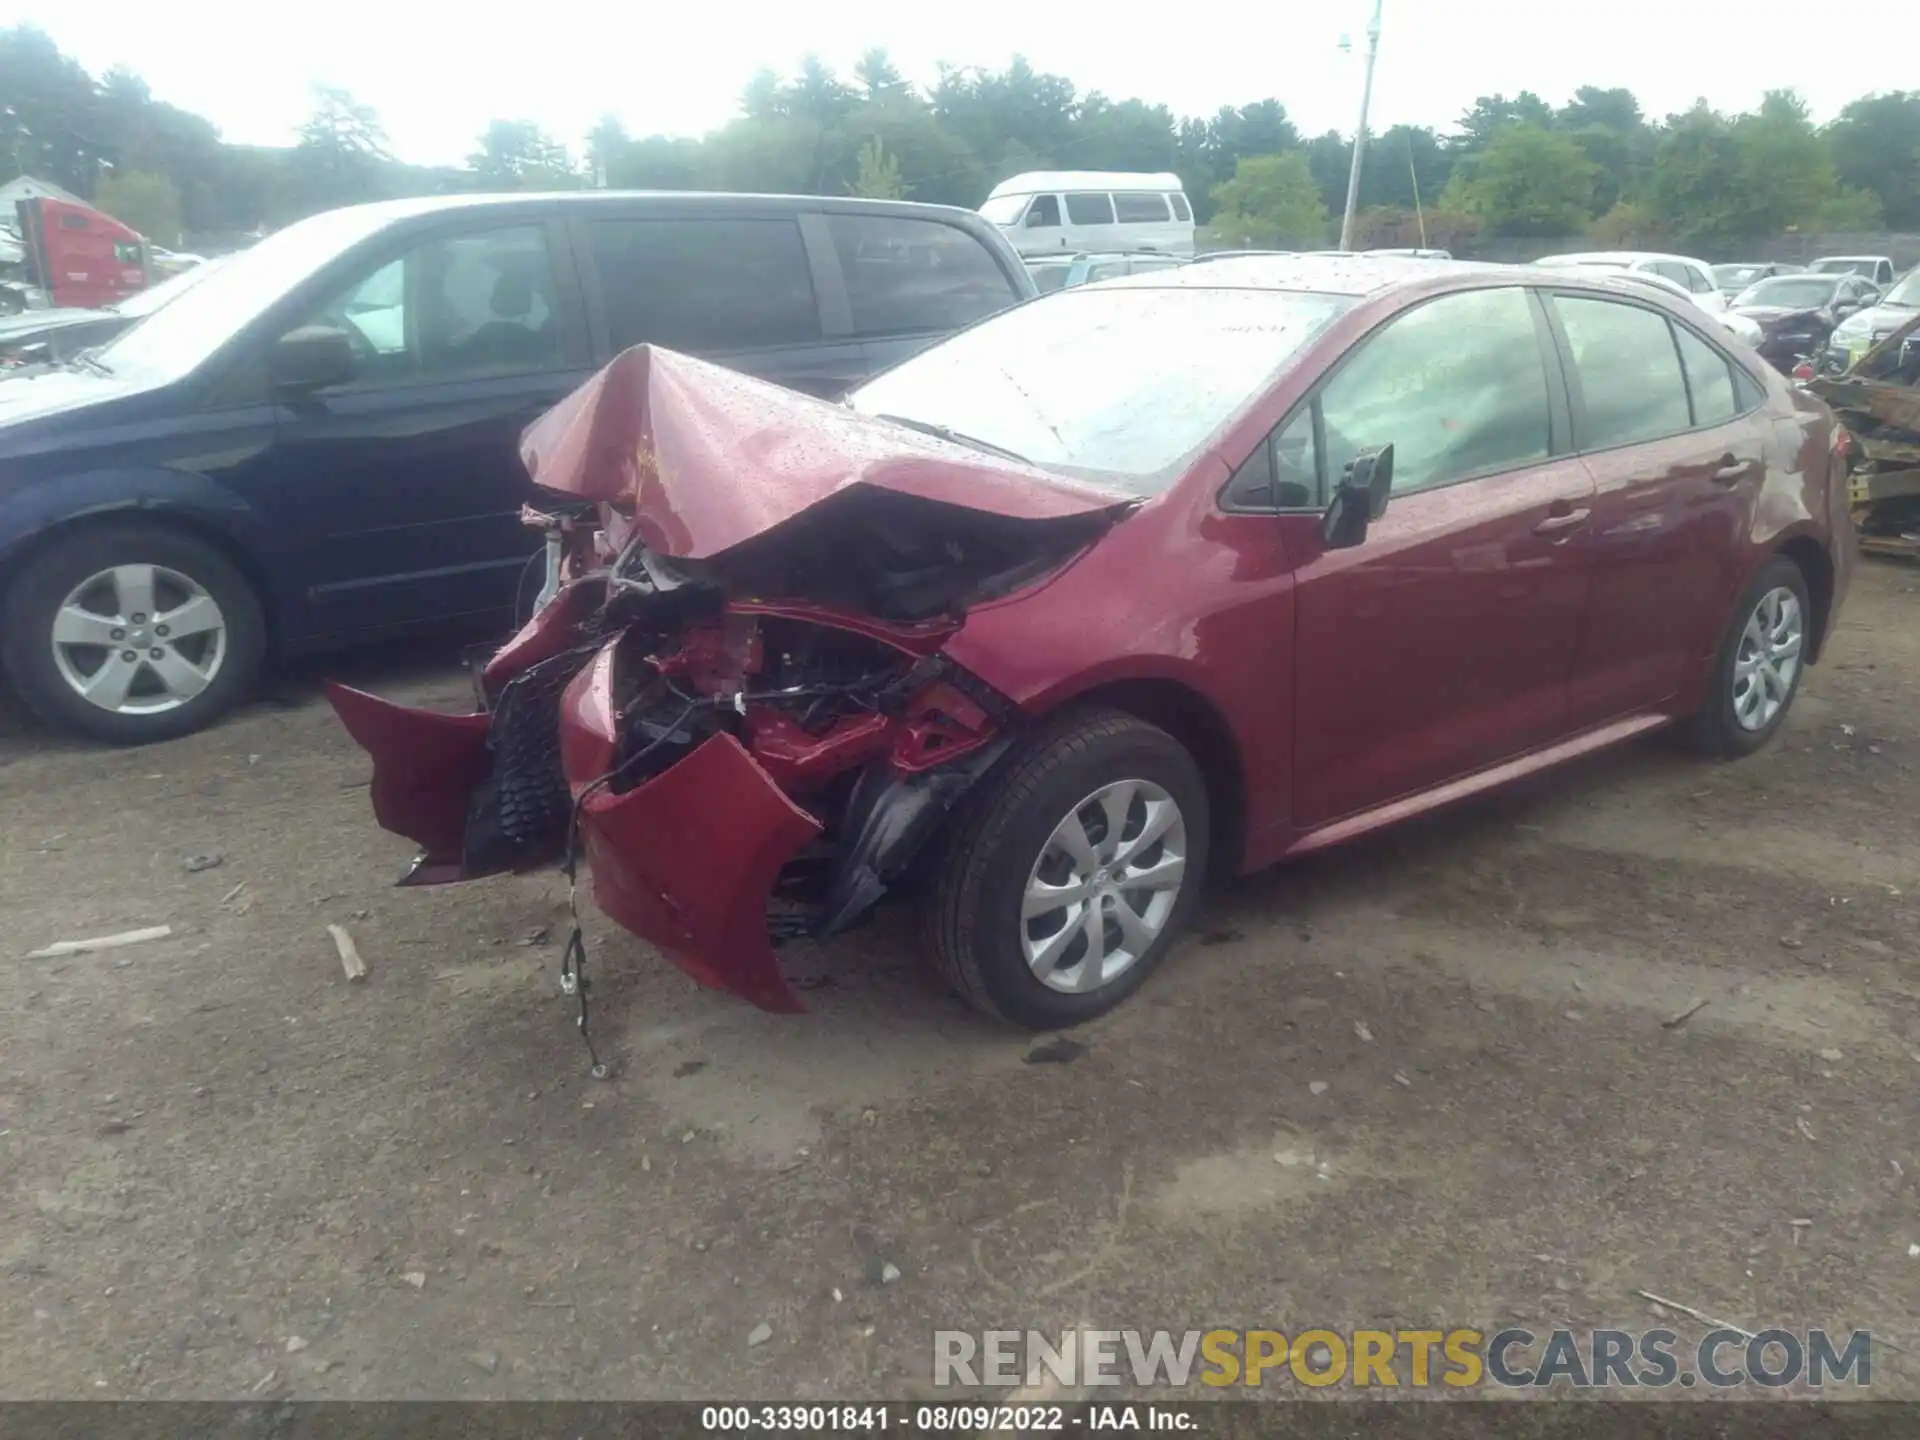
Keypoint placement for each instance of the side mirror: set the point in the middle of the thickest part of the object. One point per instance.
(311, 358)
(1359, 499)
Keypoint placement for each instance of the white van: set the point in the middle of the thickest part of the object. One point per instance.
(1079, 211)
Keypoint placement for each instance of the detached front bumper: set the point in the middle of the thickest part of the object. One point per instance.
(687, 859)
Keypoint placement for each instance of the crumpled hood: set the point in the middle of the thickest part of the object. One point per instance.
(706, 457)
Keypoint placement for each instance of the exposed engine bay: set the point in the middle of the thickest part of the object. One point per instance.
(841, 698)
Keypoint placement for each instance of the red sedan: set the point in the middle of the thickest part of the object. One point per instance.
(1178, 575)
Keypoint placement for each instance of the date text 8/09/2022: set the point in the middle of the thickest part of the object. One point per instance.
(941, 1419)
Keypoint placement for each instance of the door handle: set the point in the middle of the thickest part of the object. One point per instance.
(1732, 471)
(1562, 519)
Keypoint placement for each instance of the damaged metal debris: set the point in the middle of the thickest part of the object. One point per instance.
(1878, 400)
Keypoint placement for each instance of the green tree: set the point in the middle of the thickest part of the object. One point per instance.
(519, 155)
(879, 174)
(1876, 147)
(1271, 200)
(342, 157)
(1528, 181)
(1783, 169)
(1626, 226)
(147, 203)
(877, 76)
(49, 115)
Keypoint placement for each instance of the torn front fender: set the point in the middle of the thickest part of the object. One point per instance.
(425, 766)
(688, 859)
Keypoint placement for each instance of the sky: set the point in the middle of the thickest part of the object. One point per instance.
(438, 73)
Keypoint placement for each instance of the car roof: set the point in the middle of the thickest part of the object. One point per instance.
(415, 207)
(1034, 182)
(1367, 276)
(1324, 274)
(1876, 259)
(1623, 257)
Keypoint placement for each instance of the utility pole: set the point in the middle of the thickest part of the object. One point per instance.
(1360, 135)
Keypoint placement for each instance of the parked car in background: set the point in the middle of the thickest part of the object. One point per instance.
(1737, 276)
(1179, 574)
(1742, 326)
(171, 262)
(316, 442)
(1050, 274)
(1879, 269)
(1088, 211)
(48, 337)
(1693, 276)
(1797, 314)
(1864, 329)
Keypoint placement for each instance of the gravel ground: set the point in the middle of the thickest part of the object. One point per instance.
(224, 1171)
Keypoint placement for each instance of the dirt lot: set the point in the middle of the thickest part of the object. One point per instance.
(225, 1171)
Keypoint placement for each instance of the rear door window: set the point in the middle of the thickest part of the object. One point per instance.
(704, 286)
(1628, 368)
(1087, 208)
(1181, 210)
(1140, 208)
(908, 276)
(1709, 379)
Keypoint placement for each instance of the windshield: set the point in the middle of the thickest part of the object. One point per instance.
(1843, 267)
(1123, 383)
(1004, 209)
(1791, 292)
(176, 338)
(1906, 293)
(145, 302)
(1735, 277)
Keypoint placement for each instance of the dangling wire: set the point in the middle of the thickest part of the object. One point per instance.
(573, 959)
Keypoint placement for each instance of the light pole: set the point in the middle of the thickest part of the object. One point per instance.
(1360, 135)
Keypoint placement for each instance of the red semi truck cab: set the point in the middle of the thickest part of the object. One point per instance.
(80, 257)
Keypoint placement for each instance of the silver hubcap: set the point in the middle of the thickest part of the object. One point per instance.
(1104, 886)
(139, 639)
(1768, 659)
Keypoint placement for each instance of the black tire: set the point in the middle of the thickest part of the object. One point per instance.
(975, 919)
(1715, 729)
(40, 589)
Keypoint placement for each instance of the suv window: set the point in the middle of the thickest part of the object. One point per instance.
(1456, 386)
(704, 286)
(1698, 281)
(1088, 208)
(1045, 211)
(467, 305)
(1629, 371)
(908, 275)
(1709, 379)
(1140, 208)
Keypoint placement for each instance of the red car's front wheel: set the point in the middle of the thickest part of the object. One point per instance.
(1073, 871)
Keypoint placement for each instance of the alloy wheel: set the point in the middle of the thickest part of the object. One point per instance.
(1768, 658)
(1104, 886)
(139, 639)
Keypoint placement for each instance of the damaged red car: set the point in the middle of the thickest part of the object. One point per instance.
(1178, 575)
